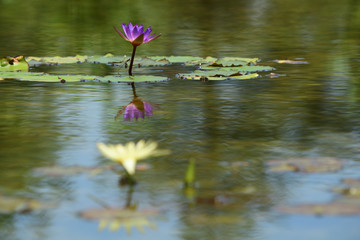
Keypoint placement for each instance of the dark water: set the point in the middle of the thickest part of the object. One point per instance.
(312, 111)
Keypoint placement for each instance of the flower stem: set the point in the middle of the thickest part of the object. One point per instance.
(133, 89)
(132, 61)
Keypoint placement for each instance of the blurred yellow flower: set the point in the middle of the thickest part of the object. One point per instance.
(127, 155)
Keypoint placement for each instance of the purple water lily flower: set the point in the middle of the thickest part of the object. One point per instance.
(136, 35)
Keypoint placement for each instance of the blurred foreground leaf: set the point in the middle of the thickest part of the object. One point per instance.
(9, 205)
(334, 208)
(115, 218)
(309, 165)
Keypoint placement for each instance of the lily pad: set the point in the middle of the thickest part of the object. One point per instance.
(9, 205)
(115, 218)
(137, 78)
(288, 61)
(242, 69)
(309, 165)
(234, 62)
(61, 171)
(203, 61)
(56, 60)
(14, 64)
(334, 208)
(54, 78)
(352, 187)
(177, 59)
(64, 171)
(196, 76)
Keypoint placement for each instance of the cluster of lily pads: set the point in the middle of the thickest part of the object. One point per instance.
(209, 68)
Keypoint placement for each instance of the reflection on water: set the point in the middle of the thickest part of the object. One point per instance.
(230, 127)
(137, 108)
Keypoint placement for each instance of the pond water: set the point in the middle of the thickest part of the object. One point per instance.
(231, 128)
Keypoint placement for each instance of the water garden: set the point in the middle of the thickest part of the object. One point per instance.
(220, 121)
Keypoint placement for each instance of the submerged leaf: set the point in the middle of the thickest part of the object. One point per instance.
(115, 218)
(309, 165)
(9, 205)
(334, 208)
(60, 171)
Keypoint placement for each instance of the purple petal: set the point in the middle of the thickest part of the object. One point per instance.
(126, 30)
(151, 38)
(147, 33)
(121, 34)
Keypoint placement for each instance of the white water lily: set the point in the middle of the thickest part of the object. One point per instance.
(127, 155)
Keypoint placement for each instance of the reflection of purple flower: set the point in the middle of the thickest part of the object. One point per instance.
(136, 35)
(137, 109)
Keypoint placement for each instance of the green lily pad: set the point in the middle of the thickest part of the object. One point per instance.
(9, 205)
(203, 61)
(18, 75)
(242, 69)
(14, 64)
(177, 59)
(55, 78)
(309, 165)
(196, 76)
(137, 78)
(288, 61)
(234, 62)
(108, 59)
(56, 60)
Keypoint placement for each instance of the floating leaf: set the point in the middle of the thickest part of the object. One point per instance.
(207, 60)
(291, 61)
(60, 171)
(351, 180)
(242, 69)
(334, 208)
(309, 165)
(234, 62)
(177, 59)
(108, 59)
(194, 76)
(14, 64)
(114, 218)
(10, 205)
(208, 219)
(55, 78)
(137, 78)
(56, 60)
(63, 171)
(146, 61)
(352, 187)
